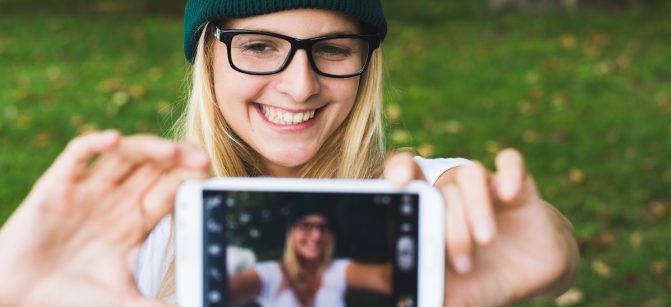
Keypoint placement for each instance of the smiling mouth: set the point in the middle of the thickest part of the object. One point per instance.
(283, 117)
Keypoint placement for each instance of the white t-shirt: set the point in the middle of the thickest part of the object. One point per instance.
(330, 294)
(158, 249)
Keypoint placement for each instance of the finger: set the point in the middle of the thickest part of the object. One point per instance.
(137, 300)
(160, 199)
(510, 175)
(458, 237)
(400, 169)
(192, 157)
(473, 183)
(116, 165)
(73, 161)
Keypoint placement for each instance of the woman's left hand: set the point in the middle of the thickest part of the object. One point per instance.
(504, 242)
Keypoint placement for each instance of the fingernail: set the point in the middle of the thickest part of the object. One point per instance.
(166, 147)
(462, 264)
(508, 189)
(398, 175)
(483, 231)
(109, 133)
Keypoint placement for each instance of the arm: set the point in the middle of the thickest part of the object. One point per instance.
(243, 287)
(374, 277)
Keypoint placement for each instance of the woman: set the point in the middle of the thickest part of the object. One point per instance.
(307, 274)
(293, 116)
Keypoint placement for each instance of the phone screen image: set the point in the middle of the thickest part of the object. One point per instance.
(280, 236)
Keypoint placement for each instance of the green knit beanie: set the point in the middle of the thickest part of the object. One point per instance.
(198, 12)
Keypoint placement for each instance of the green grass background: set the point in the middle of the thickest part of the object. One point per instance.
(585, 95)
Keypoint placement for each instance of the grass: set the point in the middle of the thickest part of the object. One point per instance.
(585, 95)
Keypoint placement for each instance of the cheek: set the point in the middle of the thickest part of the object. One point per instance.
(232, 89)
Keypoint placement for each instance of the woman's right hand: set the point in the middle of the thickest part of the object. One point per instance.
(75, 239)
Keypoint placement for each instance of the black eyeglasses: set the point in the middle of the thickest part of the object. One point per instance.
(265, 53)
(309, 226)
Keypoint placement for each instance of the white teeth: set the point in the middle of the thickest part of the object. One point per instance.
(282, 117)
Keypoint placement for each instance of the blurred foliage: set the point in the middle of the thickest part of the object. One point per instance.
(585, 94)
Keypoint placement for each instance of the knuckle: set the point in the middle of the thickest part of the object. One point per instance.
(471, 171)
(458, 243)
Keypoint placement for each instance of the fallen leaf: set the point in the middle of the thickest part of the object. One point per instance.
(137, 91)
(569, 298)
(568, 41)
(53, 73)
(426, 150)
(86, 128)
(659, 268)
(164, 108)
(536, 93)
(120, 98)
(635, 239)
(23, 121)
(667, 176)
(42, 139)
(455, 126)
(623, 63)
(606, 239)
(559, 100)
(526, 107)
(493, 147)
(531, 77)
(530, 136)
(400, 136)
(393, 112)
(155, 73)
(659, 209)
(110, 85)
(604, 67)
(601, 268)
(653, 302)
(576, 176)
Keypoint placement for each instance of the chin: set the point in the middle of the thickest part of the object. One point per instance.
(290, 157)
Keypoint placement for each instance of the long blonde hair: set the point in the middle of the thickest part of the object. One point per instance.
(354, 150)
(293, 270)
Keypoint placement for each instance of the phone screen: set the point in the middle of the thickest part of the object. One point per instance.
(282, 235)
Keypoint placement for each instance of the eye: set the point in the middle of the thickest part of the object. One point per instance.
(332, 51)
(258, 47)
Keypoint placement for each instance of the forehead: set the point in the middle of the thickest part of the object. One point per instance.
(301, 23)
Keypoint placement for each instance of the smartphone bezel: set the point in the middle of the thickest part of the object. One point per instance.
(189, 236)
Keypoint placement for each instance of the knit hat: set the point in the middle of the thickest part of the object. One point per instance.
(198, 12)
(299, 210)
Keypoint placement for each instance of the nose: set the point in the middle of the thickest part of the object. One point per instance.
(299, 80)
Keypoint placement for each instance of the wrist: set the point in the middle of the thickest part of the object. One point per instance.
(571, 257)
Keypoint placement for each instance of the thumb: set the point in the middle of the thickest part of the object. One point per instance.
(400, 169)
(147, 302)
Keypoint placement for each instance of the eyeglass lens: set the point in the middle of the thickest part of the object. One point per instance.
(260, 53)
(308, 226)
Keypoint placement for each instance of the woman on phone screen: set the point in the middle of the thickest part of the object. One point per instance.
(306, 274)
(286, 88)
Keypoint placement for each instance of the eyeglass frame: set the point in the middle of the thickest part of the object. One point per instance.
(305, 226)
(226, 36)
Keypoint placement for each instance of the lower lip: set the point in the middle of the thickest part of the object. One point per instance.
(290, 127)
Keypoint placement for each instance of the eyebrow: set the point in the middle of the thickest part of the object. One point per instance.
(330, 33)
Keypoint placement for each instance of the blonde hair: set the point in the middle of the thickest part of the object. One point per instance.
(354, 150)
(294, 273)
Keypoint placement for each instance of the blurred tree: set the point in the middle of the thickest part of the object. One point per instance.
(547, 5)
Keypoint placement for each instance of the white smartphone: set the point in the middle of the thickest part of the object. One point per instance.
(226, 226)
